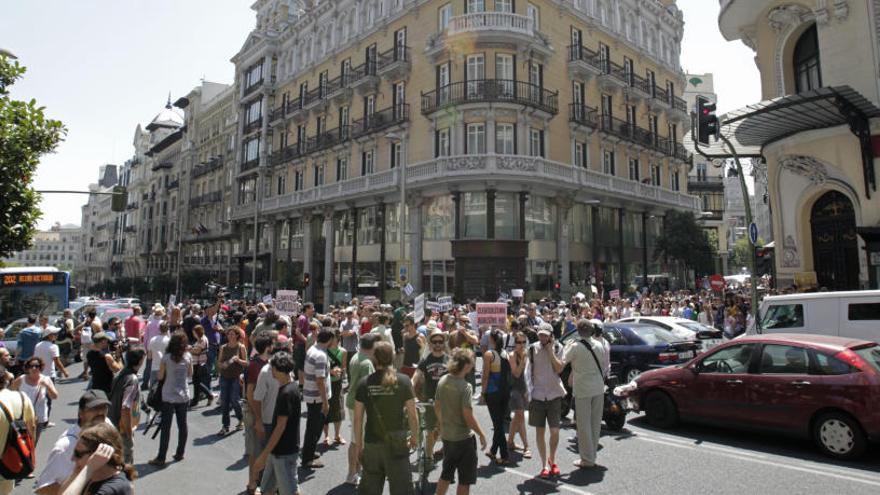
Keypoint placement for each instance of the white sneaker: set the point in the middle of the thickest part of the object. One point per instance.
(353, 479)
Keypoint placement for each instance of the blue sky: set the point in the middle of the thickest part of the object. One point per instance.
(104, 66)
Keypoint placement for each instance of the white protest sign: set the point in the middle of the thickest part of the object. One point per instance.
(408, 290)
(267, 299)
(445, 303)
(370, 300)
(287, 302)
(615, 294)
(516, 293)
(432, 305)
(171, 300)
(494, 314)
(419, 305)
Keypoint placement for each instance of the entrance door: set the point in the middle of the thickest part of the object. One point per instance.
(835, 248)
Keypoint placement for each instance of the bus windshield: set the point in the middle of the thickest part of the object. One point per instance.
(22, 300)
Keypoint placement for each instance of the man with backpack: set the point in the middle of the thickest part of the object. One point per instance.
(587, 357)
(545, 408)
(125, 400)
(18, 429)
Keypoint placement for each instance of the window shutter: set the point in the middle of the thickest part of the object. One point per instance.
(436, 143)
(466, 135)
(541, 136)
(514, 140)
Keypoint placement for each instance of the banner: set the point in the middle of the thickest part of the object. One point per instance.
(445, 303)
(419, 308)
(432, 306)
(267, 299)
(370, 301)
(287, 302)
(494, 314)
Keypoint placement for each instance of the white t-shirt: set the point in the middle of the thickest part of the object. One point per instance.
(157, 347)
(266, 391)
(47, 351)
(85, 335)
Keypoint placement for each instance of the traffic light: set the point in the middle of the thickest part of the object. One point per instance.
(307, 279)
(707, 121)
(764, 265)
(120, 198)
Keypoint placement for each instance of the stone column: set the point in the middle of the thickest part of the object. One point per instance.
(621, 249)
(415, 246)
(456, 211)
(328, 257)
(563, 257)
(354, 252)
(458, 137)
(645, 254)
(274, 241)
(308, 292)
(490, 134)
(490, 214)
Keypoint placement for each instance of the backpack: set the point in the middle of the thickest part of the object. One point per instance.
(506, 378)
(18, 458)
(154, 397)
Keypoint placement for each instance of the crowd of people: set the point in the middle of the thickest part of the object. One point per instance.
(375, 365)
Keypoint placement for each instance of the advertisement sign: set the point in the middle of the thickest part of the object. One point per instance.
(494, 314)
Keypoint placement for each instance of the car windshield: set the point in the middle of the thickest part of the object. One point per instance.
(871, 355)
(654, 335)
(696, 327)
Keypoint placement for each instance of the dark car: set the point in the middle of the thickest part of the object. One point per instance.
(814, 386)
(636, 348)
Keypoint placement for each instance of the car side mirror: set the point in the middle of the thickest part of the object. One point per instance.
(696, 368)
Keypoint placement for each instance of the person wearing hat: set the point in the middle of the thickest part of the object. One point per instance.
(102, 363)
(48, 351)
(93, 408)
(427, 375)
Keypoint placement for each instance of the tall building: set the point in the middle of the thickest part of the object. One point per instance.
(706, 180)
(59, 247)
(98, 232)
(814, 131)
(465, 148)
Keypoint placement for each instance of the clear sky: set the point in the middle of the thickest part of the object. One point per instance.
(104, 66)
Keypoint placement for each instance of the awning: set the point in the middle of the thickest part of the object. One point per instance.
(753, 127)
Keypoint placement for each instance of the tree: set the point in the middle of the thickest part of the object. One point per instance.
(25, 135)
(684, 241)
(741, 257)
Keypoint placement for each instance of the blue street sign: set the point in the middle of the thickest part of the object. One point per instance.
(403, 271)
(753, 233)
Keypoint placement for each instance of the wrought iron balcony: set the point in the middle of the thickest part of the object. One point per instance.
(250, 164)
(491, 91)
(214, 163)
(253, 87)
(291, 152)
(380, 120)
(327, 139)
(394, 62)
(253, 126)
(173, 184)
(583, 115)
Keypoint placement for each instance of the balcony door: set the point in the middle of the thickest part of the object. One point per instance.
(443, 83)
(504, 73)
(475, 75)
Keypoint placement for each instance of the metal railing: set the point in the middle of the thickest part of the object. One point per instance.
(582, 53)
(327, 139)
(583, 114)
(491, 90)
(484, 21)
(252, 126)
(253, 87)
(207, 167)
(288, 153)
(245, 166)
(380, 120)
(211, 197)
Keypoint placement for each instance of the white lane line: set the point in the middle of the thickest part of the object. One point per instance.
(702, 445)
(811, 470)
(548, 483)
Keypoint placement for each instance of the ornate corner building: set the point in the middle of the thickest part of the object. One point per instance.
(464, 147)
(816, 132)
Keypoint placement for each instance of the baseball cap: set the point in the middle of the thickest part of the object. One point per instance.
(100, 336)
(545, 329)
(50, 330)
(93, 398)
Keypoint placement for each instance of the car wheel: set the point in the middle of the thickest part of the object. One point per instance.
(839, 435)
(630, 374)
(660, 410)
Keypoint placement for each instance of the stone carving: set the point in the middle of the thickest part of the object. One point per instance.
(841, 9)
(517, 163)
(806, 166)
(790, 258)
(759, 171)
(464, 163)
(783, 16)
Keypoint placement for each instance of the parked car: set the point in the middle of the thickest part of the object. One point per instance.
(854, 314)
(682, 328)
(636, 347)
(10, 334)
(815, 386)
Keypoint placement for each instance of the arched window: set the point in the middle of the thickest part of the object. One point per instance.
(807, 70)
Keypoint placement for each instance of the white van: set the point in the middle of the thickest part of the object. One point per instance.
(854, 314)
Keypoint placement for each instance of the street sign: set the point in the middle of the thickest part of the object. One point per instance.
(419, 308)
(753, 233)
(717, 283)
(403, 271)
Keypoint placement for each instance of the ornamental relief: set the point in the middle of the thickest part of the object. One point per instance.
(806, 166)
(463, 163)
(521, 164)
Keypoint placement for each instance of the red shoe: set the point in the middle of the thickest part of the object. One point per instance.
(554, 470)
(545, 474)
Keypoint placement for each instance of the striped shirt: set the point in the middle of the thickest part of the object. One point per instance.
(317, 366)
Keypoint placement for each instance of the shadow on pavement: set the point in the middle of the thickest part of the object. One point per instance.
(762, 442)
(238, 465)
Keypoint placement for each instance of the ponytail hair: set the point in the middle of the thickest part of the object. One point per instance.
(383, 353)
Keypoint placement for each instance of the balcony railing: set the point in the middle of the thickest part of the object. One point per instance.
(289, 153)
(485, 21)
(327, 139)
(173, 184)
(207, 198)
(207, 167)
(253, 87)
(380, 120)
(583, 114)
(250, 164)
(253, 126)
(490, 91)
(584, 54)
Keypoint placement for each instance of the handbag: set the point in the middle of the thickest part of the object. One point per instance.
(397, 442)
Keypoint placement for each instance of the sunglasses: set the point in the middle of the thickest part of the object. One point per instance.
(520, 341)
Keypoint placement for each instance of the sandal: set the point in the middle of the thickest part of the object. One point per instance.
(223, 432)
(527, 454)
(339, 441)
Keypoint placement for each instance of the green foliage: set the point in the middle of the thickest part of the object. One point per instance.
(25, 135)
(741, 256)
(685, 241)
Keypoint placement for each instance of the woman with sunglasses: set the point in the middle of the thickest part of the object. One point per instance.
(37, 387)
(98, 465)
(519, 394)
(496, 394)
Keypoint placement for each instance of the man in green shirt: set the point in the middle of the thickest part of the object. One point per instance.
(452, 403)
(360, 367)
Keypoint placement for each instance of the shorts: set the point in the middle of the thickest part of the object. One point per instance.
(460, 456)
(545, 412)
(518, 400)
(351, 425)
(430, 419)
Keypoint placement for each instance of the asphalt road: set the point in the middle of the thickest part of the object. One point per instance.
(689, 459)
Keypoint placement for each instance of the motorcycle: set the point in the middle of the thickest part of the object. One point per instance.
(614, 409)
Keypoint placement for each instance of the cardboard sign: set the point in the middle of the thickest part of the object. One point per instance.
(267, 299)
(516, 293)
(432, 306)
(615, 294)
(171, 300)
(419, 308)
(408, 290)
(494, 314)
(445, 303)
(287, 302)
(370, 301)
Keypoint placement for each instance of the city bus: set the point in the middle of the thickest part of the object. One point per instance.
(33, 290)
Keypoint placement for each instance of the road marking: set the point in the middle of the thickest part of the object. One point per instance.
(703, 445)
(548, 483)
(815, 470)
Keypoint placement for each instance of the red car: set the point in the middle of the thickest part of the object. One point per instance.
(820, 387)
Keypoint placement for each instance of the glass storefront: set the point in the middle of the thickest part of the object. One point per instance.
(580, 221)
(473, 212)
(606, 230)
(438, 277)
(632, 230)
(506, 206)
(540, 219)
(438, 218)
